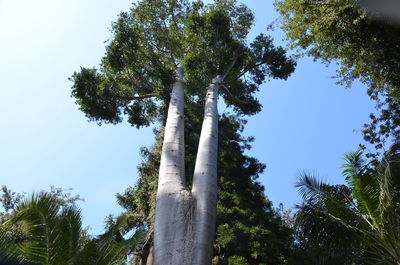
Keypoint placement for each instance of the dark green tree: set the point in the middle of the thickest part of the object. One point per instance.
(249, 229)
(363, 45)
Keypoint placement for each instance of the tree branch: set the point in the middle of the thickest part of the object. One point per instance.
(230, 66)
(137, 97)
(248, 69)
(233, 98)
(169, 51)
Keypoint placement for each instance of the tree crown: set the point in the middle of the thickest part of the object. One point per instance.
(148, 43)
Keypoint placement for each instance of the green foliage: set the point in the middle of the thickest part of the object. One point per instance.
(359, 223)
(119, 243)
(149, 42)
(139, 62)
(361, 44)
(248, 228)
(46, 228)
(237, 260)
(51, 233)
(9, 199)
(216, 42)
(9, 202)
(94, 97)
(135, 78)
(321, 238)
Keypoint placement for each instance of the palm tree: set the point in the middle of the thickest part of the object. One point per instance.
(53, 235)
(363, 220)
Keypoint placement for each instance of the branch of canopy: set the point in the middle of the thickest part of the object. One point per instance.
(249, 68)
(226, 73)
(233, 98)
(151, 95)
(231, 65)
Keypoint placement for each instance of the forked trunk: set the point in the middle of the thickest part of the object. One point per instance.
(185, 221)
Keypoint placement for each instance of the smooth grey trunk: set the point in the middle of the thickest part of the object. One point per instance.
(204, 190)
(170, 215)
(185, 220)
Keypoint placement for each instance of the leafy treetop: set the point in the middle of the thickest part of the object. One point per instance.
(149, 43)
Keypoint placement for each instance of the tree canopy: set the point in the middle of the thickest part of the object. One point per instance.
(148, 43)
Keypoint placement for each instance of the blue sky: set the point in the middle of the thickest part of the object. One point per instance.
(307, 122)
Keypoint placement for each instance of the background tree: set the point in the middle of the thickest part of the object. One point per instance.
(11, 200)
(362, 221)
(362, 44)
(46, 229)
(320, 239)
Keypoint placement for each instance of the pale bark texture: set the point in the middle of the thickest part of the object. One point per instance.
(185, 220)
(204, 190)
(170, 216)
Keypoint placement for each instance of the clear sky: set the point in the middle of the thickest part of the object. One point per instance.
(307, 122)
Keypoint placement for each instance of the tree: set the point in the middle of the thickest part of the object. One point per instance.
(362, 44)
(361, 222)
(248, 229)
(160, 45)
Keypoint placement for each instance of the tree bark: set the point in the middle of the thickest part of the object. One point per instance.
(149, 260)
(204, 190)
(146, 254)
(185, 220)
(173, 200)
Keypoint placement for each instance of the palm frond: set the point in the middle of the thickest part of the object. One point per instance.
(37, 214)
(69, 226)
(114, 244)
(371, 212)
(309, 186)
(52, 233)
(389, 172)
(364, 184)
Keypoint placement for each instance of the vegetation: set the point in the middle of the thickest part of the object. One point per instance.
(165, 57)
(136, 74)
(165, 52)
(358, 224)
(361, 44)
(46, 229)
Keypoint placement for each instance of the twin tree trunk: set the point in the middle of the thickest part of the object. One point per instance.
(185, 220)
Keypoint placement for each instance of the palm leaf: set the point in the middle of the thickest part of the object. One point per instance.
(372, 213)
(38, 216)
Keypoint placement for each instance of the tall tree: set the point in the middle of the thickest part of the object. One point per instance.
(361, 43)
(248, 229)
(160, 45)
